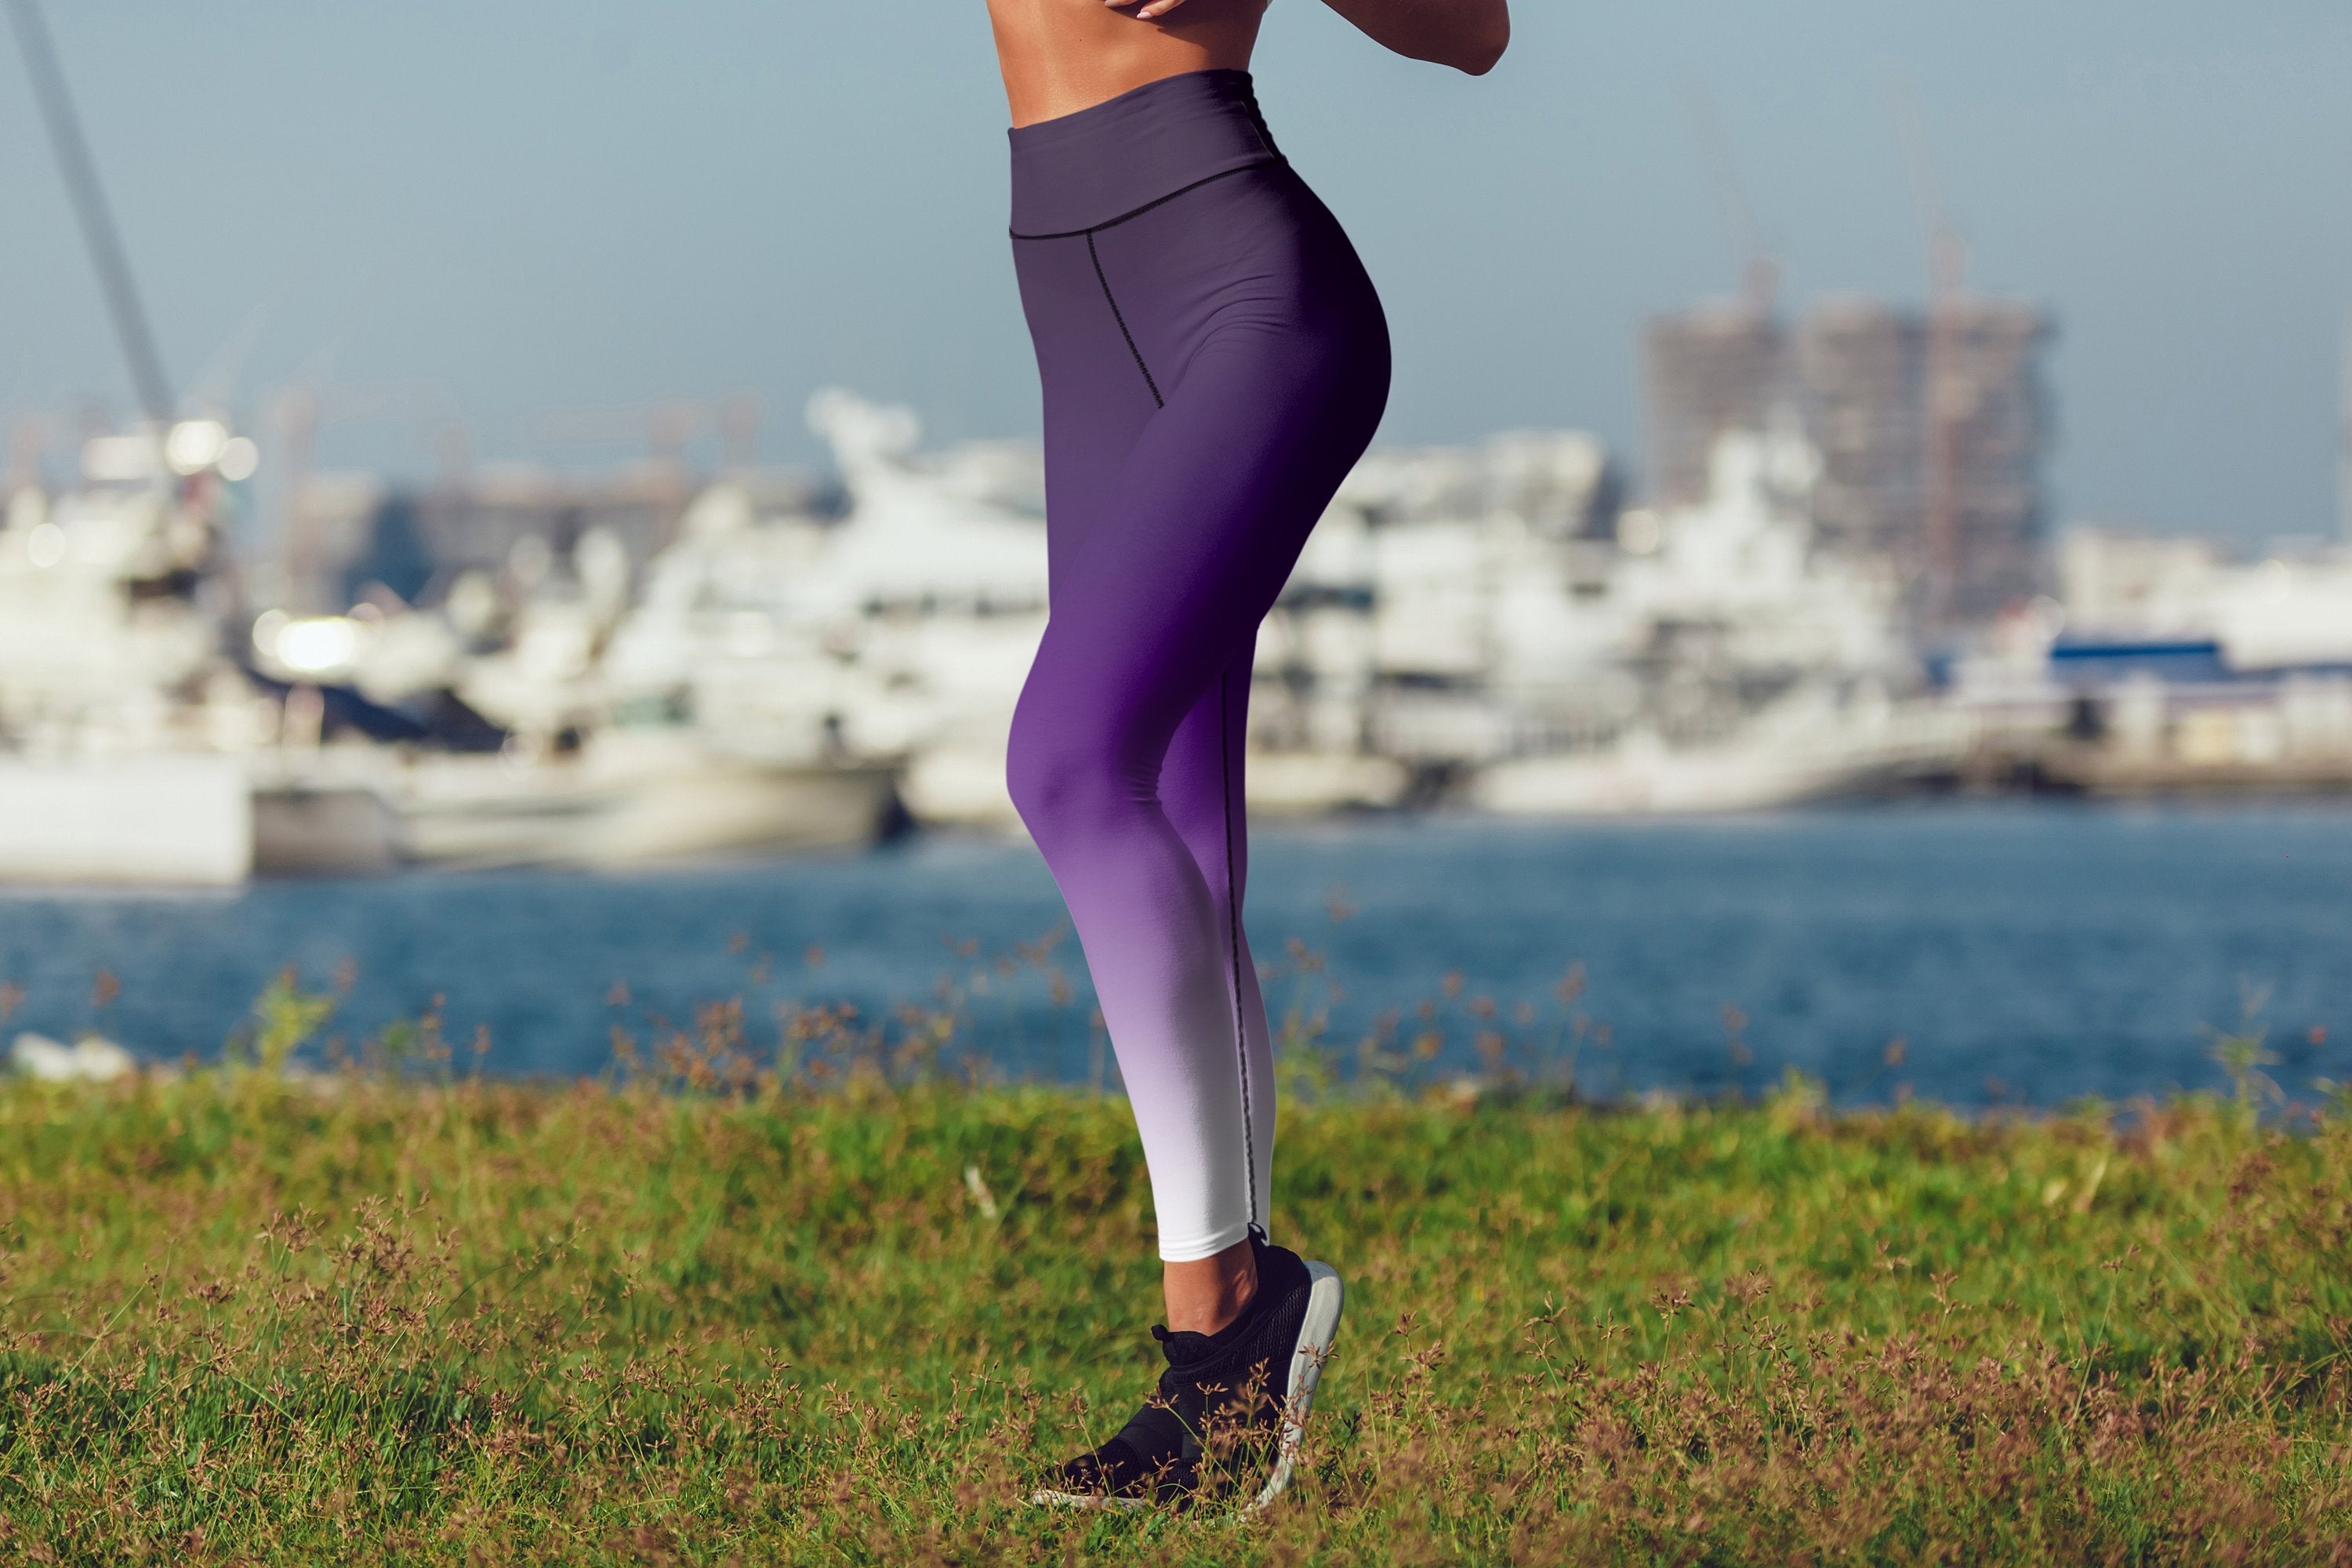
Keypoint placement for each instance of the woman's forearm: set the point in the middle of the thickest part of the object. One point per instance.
(1468, 35)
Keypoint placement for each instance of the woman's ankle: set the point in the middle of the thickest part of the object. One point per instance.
(1206, 1295)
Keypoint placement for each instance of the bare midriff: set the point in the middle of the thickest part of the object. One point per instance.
(1062, 56)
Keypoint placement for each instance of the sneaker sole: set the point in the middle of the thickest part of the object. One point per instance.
(1318, 1331)
(1317, 1334)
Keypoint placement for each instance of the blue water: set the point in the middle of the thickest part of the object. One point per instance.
(2030, 953)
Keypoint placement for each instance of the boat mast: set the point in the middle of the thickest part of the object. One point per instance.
(97, 219)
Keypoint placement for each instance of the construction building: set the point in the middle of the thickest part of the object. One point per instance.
(1987, 428)
(1861, 366)
(1931, 428)
(1709, 371)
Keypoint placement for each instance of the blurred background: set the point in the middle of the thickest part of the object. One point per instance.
(532, 516)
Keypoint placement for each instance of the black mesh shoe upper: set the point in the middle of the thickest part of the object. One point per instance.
(1217, 1411)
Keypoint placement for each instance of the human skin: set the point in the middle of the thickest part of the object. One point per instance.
(1059, 57)
(1063, 56)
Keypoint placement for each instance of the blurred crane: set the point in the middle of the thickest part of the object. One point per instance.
(2343, 440)
(1720, 366)
(1984, 423)
(1947, 263)
(1759, 275)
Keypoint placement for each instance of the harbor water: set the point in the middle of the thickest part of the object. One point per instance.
(1972, 954)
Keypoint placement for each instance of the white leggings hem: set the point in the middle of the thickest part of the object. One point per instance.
(1194, 1251)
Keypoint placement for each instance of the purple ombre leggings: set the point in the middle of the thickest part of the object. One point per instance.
(1214, 361)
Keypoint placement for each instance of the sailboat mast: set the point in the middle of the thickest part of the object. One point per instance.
(90, 209)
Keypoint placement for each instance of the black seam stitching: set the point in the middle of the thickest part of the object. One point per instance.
(1120, 317)
(1114, 222)
(1234, 928)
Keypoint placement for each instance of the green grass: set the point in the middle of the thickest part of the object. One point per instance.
(254, 1321)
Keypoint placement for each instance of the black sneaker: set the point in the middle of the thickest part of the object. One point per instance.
(1230, 1406)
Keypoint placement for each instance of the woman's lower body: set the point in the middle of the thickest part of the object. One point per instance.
(1214, 361)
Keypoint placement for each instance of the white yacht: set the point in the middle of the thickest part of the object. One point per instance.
(151, 733)
(122, 720)
(1729, 665)
(1485, 618)
(1469, 625)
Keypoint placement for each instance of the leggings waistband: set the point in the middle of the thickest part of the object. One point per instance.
(1086, 170)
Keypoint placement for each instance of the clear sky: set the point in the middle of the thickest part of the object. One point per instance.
(538, 206)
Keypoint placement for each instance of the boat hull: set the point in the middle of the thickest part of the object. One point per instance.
(487, 815)
(155, 819)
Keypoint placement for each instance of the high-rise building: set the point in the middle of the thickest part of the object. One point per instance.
(1931, 428)
(1986, 431)
(1862, 365)
(1709, 370)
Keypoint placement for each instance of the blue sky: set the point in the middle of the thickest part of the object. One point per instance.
(536, 207)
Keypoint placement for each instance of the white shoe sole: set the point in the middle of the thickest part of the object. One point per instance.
(1316, 1333)
(1325, 1297)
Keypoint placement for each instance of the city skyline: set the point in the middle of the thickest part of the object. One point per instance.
(538, 210)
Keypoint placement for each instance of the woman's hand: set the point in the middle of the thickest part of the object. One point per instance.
(1468, 35)
(1148, 10)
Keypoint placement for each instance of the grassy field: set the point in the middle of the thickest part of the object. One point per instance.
(255, 1319)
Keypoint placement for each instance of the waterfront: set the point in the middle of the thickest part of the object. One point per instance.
(2032, 953)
